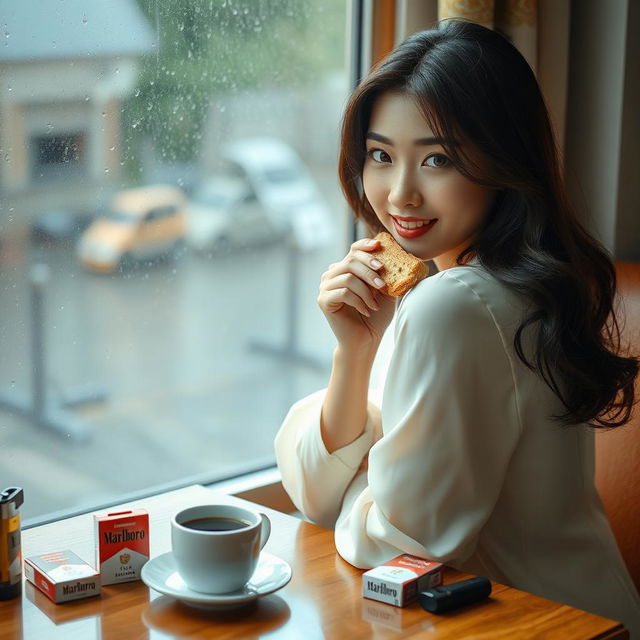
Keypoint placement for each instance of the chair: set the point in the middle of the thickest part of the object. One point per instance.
(618, 450)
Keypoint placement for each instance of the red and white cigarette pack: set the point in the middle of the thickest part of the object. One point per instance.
(122, 545)
(62, 576)
(399, 580)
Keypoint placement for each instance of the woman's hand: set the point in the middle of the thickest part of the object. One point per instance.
(350, 298)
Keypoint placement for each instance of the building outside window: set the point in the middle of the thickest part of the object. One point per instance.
(168, 201)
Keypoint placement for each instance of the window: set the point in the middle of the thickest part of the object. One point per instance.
(157, 272)
(57, 156)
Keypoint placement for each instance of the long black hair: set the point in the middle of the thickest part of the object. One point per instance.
(471, 84)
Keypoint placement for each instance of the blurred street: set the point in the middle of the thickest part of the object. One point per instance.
(170, 345)
(240, 111)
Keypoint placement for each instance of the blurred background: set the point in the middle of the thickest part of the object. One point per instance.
(169, 200)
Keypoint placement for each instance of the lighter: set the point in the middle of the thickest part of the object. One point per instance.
(451, 596)
(10, 555)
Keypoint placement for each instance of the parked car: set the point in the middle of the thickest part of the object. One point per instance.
(58, 226)
(224, 214)
(141, 224)
(284, 186)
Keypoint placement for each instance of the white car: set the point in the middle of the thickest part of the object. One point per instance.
(224, 213)
(284, 186)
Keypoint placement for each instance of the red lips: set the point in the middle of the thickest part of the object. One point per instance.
(403, 232)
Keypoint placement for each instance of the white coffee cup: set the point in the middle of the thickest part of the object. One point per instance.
(216, 547)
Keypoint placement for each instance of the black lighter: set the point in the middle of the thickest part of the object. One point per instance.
(451, 596)
(10, 554)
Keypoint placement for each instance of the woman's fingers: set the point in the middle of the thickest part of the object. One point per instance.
(335, 299)
(360, 264)
(355, 285)
(353, 281)
(365, 244)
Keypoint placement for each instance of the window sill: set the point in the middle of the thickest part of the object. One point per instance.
(262, 487)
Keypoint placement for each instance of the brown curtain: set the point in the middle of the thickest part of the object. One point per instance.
(516, 19)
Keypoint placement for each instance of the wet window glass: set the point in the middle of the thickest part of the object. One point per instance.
(168, 201)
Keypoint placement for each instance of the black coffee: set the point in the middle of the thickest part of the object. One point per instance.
(216, 524)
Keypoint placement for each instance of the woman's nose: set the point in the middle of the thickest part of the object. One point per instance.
(404, 191)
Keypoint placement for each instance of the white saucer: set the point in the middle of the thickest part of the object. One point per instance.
(161, 574)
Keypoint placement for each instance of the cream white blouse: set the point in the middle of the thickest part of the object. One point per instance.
(465, 465)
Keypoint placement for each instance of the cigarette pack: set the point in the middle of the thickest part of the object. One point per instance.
(122, 545)
(62, 576)
(399, 580)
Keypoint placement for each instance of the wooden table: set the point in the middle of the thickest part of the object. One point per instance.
(323, 599)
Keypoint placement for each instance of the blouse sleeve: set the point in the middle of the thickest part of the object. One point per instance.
(315, 479)
(450, 425)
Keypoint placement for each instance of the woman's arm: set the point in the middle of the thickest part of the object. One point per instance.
(451, 424)
(358, 314)
(315, 479)
(325, 438)
(344, 411)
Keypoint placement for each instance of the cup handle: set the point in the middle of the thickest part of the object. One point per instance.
(265, 530)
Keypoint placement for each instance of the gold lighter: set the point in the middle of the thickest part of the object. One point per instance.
(10, 554)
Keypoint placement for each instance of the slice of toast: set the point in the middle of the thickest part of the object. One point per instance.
(401, 270)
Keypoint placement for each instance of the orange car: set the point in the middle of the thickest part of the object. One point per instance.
(141, 223)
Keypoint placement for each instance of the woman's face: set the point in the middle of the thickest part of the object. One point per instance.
(430, 208)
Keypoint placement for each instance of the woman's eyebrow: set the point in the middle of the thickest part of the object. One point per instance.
(420, 142)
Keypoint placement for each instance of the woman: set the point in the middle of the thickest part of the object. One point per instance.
(482, 453)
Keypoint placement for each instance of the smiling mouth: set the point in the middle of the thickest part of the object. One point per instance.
(413, 227)
(412, 223)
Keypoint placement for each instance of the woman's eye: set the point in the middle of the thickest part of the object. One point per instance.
(437, 161)
(378, 155)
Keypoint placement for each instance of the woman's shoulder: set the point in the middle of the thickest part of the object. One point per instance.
(461, 297)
